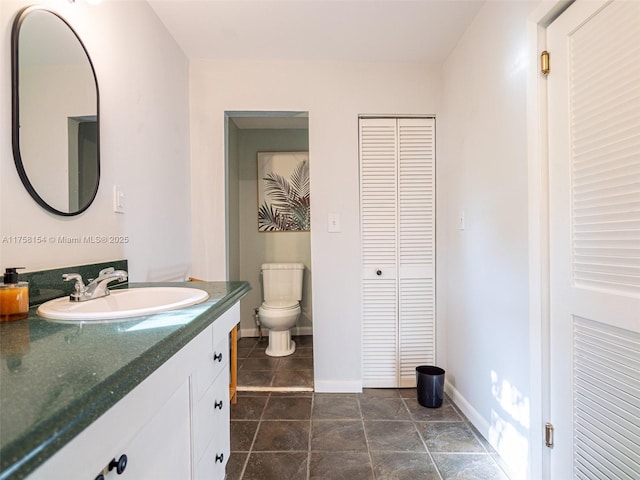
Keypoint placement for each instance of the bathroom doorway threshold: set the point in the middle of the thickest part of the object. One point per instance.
(275, 389)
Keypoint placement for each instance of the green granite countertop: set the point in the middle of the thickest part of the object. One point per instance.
(56, 379)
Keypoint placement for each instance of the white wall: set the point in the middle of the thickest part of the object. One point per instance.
(333, 94)
(143, 81)
(483, 135)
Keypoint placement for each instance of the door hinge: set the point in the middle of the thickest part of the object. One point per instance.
(544, 63)
(548, 435)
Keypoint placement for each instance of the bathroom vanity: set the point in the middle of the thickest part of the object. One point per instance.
(140, 398)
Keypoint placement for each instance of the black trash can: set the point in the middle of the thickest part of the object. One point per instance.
(430, 385)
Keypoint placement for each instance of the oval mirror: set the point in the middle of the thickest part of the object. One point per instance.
(55, 113)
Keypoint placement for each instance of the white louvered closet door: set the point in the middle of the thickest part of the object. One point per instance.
(378, 220)
(397, 221)
(416, 242)
(594, 183)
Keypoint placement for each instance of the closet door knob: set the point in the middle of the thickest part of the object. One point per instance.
(219, 458)
(119, 464)
(378, 272)
(217, 405)
(217, 357)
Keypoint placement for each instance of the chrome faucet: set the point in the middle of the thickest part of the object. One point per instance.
(96, 288)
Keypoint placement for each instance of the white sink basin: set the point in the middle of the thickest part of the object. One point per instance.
(133, 302)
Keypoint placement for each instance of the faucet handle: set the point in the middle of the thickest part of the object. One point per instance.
(79, 286)
(104, 271)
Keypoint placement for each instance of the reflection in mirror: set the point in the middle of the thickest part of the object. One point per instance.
(56, 143)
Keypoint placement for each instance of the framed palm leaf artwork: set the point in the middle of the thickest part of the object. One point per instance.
(283, 192)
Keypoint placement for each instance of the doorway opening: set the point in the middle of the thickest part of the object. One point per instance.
(249, 135)
(84, 168)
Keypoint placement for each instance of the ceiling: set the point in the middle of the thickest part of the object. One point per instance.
(424, 31)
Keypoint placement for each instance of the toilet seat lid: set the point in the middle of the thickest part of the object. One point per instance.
(280, 304)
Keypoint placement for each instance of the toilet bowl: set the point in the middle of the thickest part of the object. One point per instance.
(280, 310)
(279, 319)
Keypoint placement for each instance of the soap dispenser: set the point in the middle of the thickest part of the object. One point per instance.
(14, 297)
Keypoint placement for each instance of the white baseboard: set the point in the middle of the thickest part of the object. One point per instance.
(471, 413)
(516, 471)
(253, 331)
(338, 386)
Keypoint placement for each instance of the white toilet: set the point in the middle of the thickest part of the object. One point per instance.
(280, 310)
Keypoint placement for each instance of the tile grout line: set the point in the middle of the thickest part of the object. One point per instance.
(246, 460)
(481, 441)
(366, 438)
(313, 401)
(424, 442)
(255, 436)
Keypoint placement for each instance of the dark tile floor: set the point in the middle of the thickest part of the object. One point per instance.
(378, 434)
(258, 371)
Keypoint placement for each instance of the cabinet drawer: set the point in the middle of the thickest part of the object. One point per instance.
(213, 463)
(212, 363)
(211, 416)
(223, 325)
(221, 355)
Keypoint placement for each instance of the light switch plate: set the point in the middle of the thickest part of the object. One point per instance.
(118, 199)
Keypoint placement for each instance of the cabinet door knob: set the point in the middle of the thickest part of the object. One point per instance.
(219, 458)
(378, 272)
(217, 356)
(100, 477)
(217, 404)
(119, 464)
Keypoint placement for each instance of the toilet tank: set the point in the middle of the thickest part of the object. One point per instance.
(282, 281)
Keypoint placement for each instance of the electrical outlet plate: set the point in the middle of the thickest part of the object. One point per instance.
(333, 222)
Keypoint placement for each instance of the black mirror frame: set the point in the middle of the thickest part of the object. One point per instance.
(15, 112)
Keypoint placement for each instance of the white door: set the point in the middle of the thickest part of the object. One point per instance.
(378, 224)
(416, 247)
(397, 198)
(594, 183)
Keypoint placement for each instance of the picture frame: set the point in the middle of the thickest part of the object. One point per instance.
(283, 192)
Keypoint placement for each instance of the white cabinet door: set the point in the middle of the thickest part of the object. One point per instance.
(151, 426)
(397, 198)
(162, 448)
